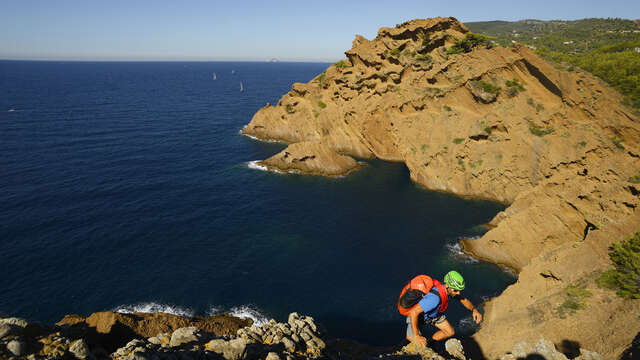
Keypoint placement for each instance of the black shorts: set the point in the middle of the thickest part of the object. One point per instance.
(433, 321)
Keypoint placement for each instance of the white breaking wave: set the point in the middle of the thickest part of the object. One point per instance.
(255, 166)
(243, 311)
(247, 311)
(455, 249)
(510, 272)
(153, 307)
(258, 139)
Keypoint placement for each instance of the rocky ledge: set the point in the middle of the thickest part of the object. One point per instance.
(160, 336)
(108, 335)
(501, 124)
(311, 158)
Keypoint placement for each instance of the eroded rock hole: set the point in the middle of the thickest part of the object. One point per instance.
(588, 228)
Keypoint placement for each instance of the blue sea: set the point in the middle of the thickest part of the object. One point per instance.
(127, 186)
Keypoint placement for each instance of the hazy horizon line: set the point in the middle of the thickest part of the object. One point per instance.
(168, 60)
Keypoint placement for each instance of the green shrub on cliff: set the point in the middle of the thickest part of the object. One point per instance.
(425, 58)
(424, 37)
(575, 299)
(394, 52)
(635, 179)
(514, 87)
(541, 131)
(625, 277)
(489, 87)
(470, 41)
(322, 80)
(618, 143)
(342, 64)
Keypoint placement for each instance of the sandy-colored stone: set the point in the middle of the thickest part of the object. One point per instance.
(184, 336)
(17, 347)
(110, 330)
(151, 324)
(559, 153)
(80, 349)
(311, 158)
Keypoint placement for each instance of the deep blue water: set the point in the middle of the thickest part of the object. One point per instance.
(126, 185)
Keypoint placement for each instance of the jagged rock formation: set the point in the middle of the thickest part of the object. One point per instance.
(499, 124)
(311, 158)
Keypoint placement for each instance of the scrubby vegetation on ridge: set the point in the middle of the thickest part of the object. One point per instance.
(514, 87)
(342, 64)
(618, 64)
(576, 298)
(607, 48)
(470, 41)
(625, 277)
(488, 87)
(570, 37)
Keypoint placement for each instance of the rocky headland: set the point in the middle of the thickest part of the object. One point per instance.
(493, 123)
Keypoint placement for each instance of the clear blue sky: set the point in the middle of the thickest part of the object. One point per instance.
(242, 30)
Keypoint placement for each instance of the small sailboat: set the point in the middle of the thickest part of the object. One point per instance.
(214, 76)
(233, 72)
(241, 87)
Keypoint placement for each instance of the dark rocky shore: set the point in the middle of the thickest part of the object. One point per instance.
(109, 335)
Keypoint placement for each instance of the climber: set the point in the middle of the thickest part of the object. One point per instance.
(426, 299)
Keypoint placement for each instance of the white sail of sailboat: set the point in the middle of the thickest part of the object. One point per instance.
(241, 87)
(214, 76)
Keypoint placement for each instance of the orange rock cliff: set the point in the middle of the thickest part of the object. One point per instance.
(556, 146)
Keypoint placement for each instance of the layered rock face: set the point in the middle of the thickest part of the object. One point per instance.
(498, 124)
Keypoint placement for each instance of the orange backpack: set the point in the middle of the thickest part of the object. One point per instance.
(416, 289)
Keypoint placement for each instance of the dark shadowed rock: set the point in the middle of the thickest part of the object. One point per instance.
(112, 330)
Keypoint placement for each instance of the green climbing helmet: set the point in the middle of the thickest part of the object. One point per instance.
(454, 280)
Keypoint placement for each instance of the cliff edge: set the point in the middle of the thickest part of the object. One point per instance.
(498, 124)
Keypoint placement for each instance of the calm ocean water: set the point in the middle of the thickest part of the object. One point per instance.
(127, 186)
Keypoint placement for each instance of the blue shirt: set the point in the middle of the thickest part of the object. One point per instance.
(430, 304)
